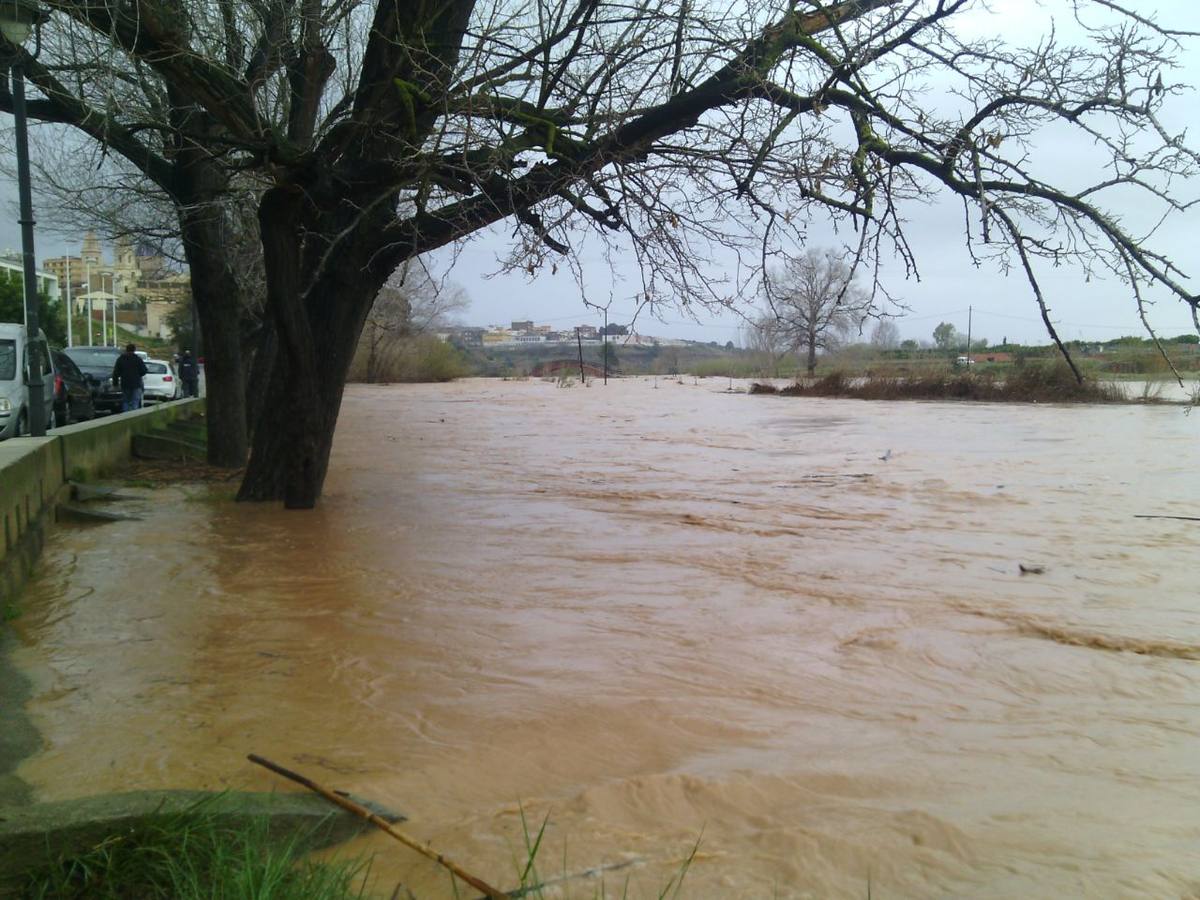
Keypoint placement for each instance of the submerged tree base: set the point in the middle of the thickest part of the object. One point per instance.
(1026, 384)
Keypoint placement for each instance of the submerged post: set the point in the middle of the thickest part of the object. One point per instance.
(579, 343)
(606, 345)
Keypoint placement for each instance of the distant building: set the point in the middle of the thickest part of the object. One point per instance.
(501, 336)
(465, 337)
(522, 326)
(68, 270)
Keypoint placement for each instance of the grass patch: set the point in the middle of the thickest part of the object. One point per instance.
(191, 855)
(1052, 383)
(533, 885)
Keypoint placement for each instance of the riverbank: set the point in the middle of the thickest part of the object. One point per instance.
(1026, 384)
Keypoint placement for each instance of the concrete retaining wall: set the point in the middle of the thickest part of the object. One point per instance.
(34, 473)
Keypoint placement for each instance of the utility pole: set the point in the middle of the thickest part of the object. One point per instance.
(36, 388)
(87, 268)
(579, 343)
(606, 345)
(969, 309)
(70, 308)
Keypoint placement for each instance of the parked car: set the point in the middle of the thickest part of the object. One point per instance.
(72, 391)
(15, 379)
(160, 382)
(97, 364)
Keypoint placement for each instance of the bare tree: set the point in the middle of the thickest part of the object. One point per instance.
(410, 305)
(816, 302)
(885, 335)
(766, 338)
(674, 133)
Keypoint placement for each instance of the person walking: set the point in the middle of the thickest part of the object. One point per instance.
(189, 374)
(127, 373)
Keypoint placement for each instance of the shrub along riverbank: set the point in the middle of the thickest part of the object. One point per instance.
(1052, 383)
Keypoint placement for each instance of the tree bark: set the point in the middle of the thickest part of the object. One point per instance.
(317, 332)
(218, 301)
(812, 357)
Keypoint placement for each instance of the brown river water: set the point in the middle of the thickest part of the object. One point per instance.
(657, 613)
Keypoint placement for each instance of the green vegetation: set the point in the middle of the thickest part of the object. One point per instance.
(415, 358)
(1111, 360)
(190, 856)
(531, 884)
(1033, 383)
(50, 315)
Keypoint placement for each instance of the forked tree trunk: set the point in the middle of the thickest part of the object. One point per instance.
(317, 332)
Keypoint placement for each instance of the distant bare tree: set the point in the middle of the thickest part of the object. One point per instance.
(815, 302)
(764, 337)
(886, 335)
(411, 304)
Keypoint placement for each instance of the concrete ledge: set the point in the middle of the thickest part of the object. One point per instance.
(33, 835)
(31, 482)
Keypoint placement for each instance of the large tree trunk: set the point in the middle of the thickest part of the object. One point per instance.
(218, 302)
(261, 366)
(812, 357)
(201, 185)
(317, 331)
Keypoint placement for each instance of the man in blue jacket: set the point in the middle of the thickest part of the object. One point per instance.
(127, 372)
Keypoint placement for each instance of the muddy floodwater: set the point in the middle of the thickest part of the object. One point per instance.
(795, 631)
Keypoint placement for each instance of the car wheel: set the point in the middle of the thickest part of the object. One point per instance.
(22, 424)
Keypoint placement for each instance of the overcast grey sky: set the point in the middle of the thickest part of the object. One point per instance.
(1003, 306)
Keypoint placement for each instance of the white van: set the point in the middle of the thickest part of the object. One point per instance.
(14, 380)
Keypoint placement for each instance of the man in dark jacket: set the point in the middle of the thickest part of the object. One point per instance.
(127, 372)
(189, 374)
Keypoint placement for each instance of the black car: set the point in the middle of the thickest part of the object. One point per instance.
(72, 391)
(96, 363)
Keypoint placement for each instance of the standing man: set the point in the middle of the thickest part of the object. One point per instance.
(189, 374)
(127, 372)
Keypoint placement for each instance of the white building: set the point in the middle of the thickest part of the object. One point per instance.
(12, 267)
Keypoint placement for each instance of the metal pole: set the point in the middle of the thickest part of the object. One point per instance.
(37, 392)
(70, 308)
(968, 336)
(87, 268)
(606, 345)
(579, 342)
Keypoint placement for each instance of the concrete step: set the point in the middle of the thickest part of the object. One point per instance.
(164, 446)
(89, 515)
(193, 430)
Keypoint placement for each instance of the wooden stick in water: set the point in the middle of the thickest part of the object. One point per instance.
(382, 824)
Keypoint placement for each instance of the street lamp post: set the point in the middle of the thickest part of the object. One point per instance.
(17, 20)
